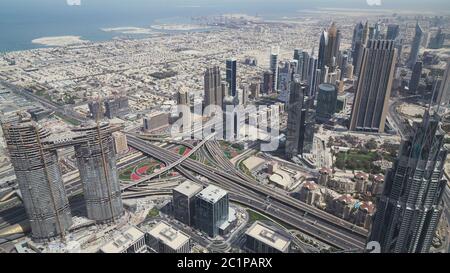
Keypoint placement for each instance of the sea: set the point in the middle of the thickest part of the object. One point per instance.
(22, 21)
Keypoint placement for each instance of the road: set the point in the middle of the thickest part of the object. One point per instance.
(66, 111)
(312, 221)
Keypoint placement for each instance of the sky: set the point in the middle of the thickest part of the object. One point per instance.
(385, 4)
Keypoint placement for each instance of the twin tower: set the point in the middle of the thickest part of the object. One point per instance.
(33, 153)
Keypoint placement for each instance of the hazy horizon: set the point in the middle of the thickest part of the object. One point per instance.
(21, 21)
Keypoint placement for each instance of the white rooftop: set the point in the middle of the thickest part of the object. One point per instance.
(212, 194)
(123, 241)
(188, 188)
(269, 236)
(171, 237)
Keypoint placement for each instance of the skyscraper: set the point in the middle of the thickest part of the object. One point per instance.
(357, 35)
(411, 204)
(212, 83)
(415, 46)
(442, 94)
(306, 67)
(323, 44)
(274, 69)
(299, 59)
(36, 166)
(94, 150)
(301, 120)
(374, 86)
(211, 209)
(393, 31)
(285, 81)
(326, 101)
(268, 82)
(183, 98)
(438, 40)
(313, 76)
(231, 76)
(415, 78)
(332, 48)
(184, 201)
(116, 106)
(357, 54)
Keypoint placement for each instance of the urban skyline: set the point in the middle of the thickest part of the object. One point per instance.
(323, 132)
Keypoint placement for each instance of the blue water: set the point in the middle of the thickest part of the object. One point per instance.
(21, 21)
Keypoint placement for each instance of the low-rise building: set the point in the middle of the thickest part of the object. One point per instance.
(130, 240)
(163, 238)
(120, 143)
(310, 193)
(262, 238)
(155, 121)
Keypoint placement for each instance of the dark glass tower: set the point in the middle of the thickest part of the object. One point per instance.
(231, 76)
(410, 207)
(415, 46)
(301, 120)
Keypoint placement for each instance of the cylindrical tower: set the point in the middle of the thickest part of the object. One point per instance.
(98, 172)
(39, 178)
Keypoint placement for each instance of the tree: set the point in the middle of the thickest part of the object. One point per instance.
(371, 144)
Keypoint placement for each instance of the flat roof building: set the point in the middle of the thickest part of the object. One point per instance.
(184, 201)
(130, 240)
(163, 238)
(262, 238)
(211, 209)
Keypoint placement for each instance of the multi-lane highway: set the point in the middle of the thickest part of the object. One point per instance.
(284, 208)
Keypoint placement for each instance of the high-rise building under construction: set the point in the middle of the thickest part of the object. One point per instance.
(94, 150)
(35, 162)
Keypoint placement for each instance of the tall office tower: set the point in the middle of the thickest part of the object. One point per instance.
(298, 58)
(326, 102)
(255, 89)
(94, 150)
(305, 67)
(332, 48)
(274, 69)
(438, 40)
(230, 125)
(183, 97)
(116, 106)
(224, 89)
(300, 127)
(268, 84)
(411, 204)
(285, 81)
(349, 71)
(212, 82)
(96, 109)
(415, 78)
(211, 209)
(357, 55)
(231, 76)
(415, 46)
(393, 31)
(357, 35)
(371, 32)
(40, 181)
(377, 31)
(323, 45)
(243, 94)
(313, 76)
(442, 95)
(184, 201)
(374, 86)
(344, 62)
